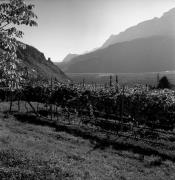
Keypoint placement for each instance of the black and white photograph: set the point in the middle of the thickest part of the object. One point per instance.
(87, 89)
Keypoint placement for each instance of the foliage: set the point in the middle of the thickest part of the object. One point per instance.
(13, 13)
(164, 83)
(152, 108)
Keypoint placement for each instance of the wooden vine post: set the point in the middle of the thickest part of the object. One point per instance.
(83, 83)
(116, 84)
(122, 107)
(110, 80)
(95, 86)
(51, 102)
(11, 97)
(116, 79)
(158, 78)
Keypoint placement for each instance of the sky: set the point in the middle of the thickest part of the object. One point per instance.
(78, 26)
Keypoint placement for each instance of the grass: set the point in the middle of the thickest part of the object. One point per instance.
(34, 151)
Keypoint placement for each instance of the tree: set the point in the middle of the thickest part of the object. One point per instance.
(13, 13)
(164, 83)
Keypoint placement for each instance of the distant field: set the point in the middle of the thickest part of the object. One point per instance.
(124, 78)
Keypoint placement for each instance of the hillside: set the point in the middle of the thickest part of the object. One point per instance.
(162, 26)
(140, 55)
(37, 64)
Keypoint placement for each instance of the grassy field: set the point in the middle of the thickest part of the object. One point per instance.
(30, 151)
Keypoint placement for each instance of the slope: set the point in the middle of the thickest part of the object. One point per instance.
(36, 63)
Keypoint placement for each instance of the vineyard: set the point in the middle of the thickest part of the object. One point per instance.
(139, 106)
(60, 125)
(144, 117)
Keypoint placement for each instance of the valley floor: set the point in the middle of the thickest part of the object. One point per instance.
(30, 151)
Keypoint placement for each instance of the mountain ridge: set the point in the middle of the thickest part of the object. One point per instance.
(69, 57)
(150, 48)
(139, 55)
(156, 26)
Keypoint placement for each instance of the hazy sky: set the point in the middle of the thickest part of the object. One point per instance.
(76, 26)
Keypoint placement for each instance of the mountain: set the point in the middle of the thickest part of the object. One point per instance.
(139, 55)
(37, 64)
(147, 47)
(156, 27)
(69, 57)
(63, 64)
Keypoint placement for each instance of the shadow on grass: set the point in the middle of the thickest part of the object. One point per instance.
(33, 119)
(99, 140)
(103, 142)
